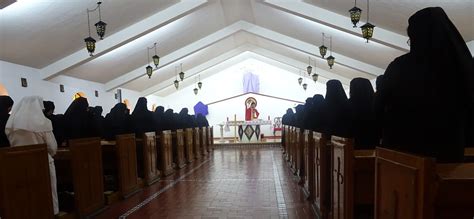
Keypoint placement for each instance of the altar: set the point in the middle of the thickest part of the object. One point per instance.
(248, 131)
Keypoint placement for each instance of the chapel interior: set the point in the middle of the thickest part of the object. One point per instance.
(341, 109)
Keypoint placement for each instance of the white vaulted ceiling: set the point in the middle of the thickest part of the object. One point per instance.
(207, 35)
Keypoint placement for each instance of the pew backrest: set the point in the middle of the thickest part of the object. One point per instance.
(25, 186)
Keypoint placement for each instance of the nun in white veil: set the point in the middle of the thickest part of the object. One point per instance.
(27, 125)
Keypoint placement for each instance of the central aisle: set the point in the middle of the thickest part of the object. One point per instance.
(234, 182)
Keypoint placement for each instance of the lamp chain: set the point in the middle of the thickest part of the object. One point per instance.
(368, 12)
(88, 23)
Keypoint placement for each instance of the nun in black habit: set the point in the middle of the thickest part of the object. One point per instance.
(117, 122)
(158, 119)
(184, 119)
(56, 120)
(285, 119)
(6, 103)
(306, 124)
(168, 120)
(336, 110)
(201, 121)
(142, 118)
(363, 126)
(316, 116)
(78, 121)
(299, 116)
(427, 92)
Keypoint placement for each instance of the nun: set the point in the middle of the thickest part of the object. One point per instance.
(427, 92)
(27, 125)
(316, 116)
(142, 118)
(158, 119)
(79, 121)
(336, 110)
(117, 122)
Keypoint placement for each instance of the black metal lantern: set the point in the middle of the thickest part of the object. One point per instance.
(355, 15)
(300, 80)
(367, 31)
(181, 74)
(156, 60)
(315, 77)
(305, 86)
(330, 60)
(323, 50)
(176, 84)
(100, 28)
(368, 28)
(199, 85)
(309, 69)
(149, 71)
(196, 91)
(90, 45)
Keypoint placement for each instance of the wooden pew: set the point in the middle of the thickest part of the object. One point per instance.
(409, 186)
(165, 153)
(300, 154)
(197, 143)
(188, 140)
(203, 138)
(178, 149)
(211, 137)
(308, 187)
(287, 143)
(25, 186)
(293, 149)
(126, 155)
(352, 181)
(151, 172)
(81, 165)
(322, 174)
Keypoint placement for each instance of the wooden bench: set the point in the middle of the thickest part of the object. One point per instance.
(322, 175)
(299, 154)
(165, 153)
(352, 183)
(211, 137)
(188, 149)
(409, 186)
(149, 144)
(308, 187)
(25, 186)
(197, 143)
(124, 152)
(293, 148)
(178, 149)
(81, 165)
(203, 138)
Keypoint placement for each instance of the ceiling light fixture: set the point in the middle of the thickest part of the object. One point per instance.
(315, 75)
(199, 83)
(331, 58)
(300, 79)
(100, 28)
(355, 14)
(368, 28)
(176, 82)
(181, 74)
(323, 49)
(309, 68)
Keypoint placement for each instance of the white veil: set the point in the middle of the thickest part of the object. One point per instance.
(28, 115)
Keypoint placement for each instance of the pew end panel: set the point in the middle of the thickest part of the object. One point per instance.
(25, 186)
(166, 155)
(322, 195)
(126, 154)
(152, 174)
(308, 187)
(197, 143)
(189, 152)
(178, 149)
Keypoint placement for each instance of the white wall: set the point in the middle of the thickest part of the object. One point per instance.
(273, 81)
(11, 74)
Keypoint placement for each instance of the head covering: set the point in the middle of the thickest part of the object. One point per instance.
(363, 126)
(168, 120)
(77, 109)
(48, 106)
(316, 113)
(117, 122)
(28, 115)
(78, 121)
(97, 111)
(379, 82)
(361, 95)
(141, 106)
(142, 118)
(5, 103)
(336, 109)
(434, 38)
(158, 118)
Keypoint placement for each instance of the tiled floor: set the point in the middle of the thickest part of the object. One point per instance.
(246, 182)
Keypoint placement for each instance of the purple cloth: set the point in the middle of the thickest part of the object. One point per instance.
(201, 108)
(251, 83)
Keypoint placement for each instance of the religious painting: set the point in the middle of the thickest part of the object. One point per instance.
(251, 112)
(61, 88)
(96, 93)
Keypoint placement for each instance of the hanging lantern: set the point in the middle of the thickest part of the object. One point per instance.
(196, 91)
(90, 45)
(300, 80)
(355, 15)
(100, 28)
(200, 85)
(156, 60)
(330, 60)
(305, 86)
(367, 31)
(323, 50)
(315, 77)
(176, 84)
(149, 71)
(181, 74)
(309, 69)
